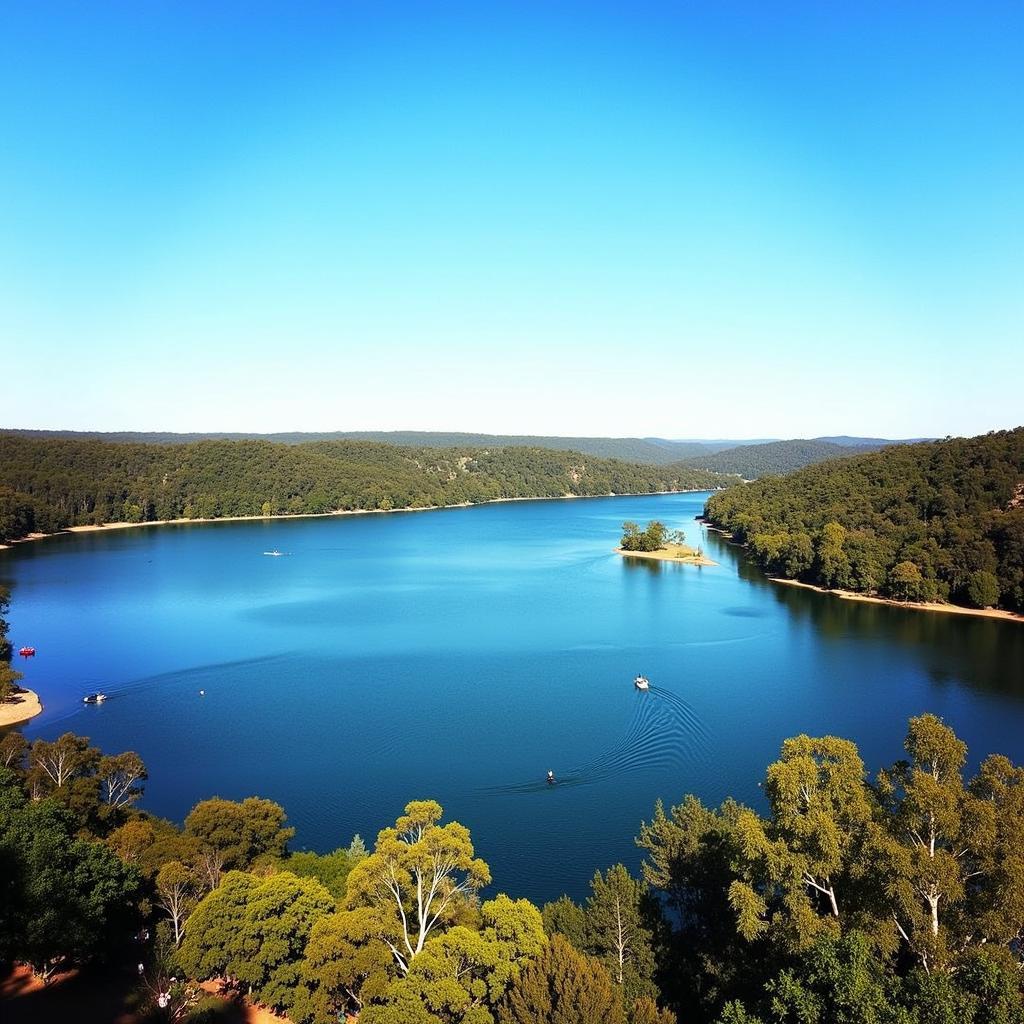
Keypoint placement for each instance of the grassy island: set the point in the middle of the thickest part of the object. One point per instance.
(659, 543)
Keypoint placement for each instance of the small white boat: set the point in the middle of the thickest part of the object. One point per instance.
(274, 554)
(94, 698)
(642, 683)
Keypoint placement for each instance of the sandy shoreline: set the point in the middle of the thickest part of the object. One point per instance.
(922, 606)
(327, 515)
(669, 554)
(850, 595)
(20, 708)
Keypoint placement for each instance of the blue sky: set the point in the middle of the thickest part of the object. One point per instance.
(679, 219)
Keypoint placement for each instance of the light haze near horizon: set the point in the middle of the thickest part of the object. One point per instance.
(707, 220)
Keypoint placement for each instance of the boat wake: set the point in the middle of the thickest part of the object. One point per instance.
(663, 732)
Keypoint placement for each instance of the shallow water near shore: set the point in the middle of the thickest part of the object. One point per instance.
(460, 654)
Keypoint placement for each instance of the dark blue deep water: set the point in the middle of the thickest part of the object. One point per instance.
(460, 654)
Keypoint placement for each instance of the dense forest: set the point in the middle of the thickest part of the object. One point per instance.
(752, 461)
(49, 484)
(653, 450)
(749, 459)
(941, 520)
(845, 900)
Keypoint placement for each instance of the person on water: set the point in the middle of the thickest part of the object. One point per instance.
(551, 778)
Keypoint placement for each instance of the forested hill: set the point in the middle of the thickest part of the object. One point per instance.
(50, 484)
(654, 450)
(940, 520)
(752, 461)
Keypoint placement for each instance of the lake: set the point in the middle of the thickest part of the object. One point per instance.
(460, 654)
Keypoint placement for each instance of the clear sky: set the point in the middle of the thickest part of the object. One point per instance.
(682, 219)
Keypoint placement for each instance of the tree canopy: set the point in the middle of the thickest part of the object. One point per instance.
(48, 484)
(940, 520)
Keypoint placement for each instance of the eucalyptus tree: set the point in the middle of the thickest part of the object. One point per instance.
(121, 777)
(420, 878)
(618, 931)
(177, 893)
(793, 866)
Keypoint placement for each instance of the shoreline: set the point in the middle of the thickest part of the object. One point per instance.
(851, 595)
(921, 606)
(29, 538)
(667, 555)
(22, 711)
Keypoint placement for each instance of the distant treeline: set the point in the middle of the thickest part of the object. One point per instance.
(752, 461)
(940, 520)
(654, 450)
(50, 484)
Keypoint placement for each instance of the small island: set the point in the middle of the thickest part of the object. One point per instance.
(659, 543)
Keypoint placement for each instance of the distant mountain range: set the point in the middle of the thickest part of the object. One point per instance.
(748, 458)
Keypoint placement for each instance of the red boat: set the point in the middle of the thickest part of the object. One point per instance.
(27, 652)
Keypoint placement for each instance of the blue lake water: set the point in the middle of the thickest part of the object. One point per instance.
(460, 654)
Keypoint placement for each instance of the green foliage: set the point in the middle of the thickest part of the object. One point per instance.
(421, 877)
(460, 975)
(982, 589)
(940, 520)
(650, 539)
(63, 900)
(752, 461)
(848, 889)
(255, 929)
(243, 834)
(329, 869)
(52, 483)
(347, 964)
(564, 917)
(562, 986)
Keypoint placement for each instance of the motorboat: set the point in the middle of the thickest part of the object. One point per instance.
(94, 698)
(27, 652)
(551, 778)
(274, 554)
(642, 683)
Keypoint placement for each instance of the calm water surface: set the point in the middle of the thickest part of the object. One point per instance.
(460, 654)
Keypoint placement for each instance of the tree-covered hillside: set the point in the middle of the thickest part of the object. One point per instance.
(50, 484)
(653, 450)
(752, 461)
(940, 520)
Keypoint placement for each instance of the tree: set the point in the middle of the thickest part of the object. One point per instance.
(420, 876)
(148, 843)
(646, 1011)
(934, 836)
(240, 833)
(255, 930)
(9, 679)
(177, 893)
(64, 900)
(982, 589)
(13, 747)
(346, 964)
(120, 776)
(690, 856)
(905, 582)
(562, 986)
(7, 529)
(57, 763)
(793, 866)
(461, 974)
(617, 932)
(564, 917)
(330, 869)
